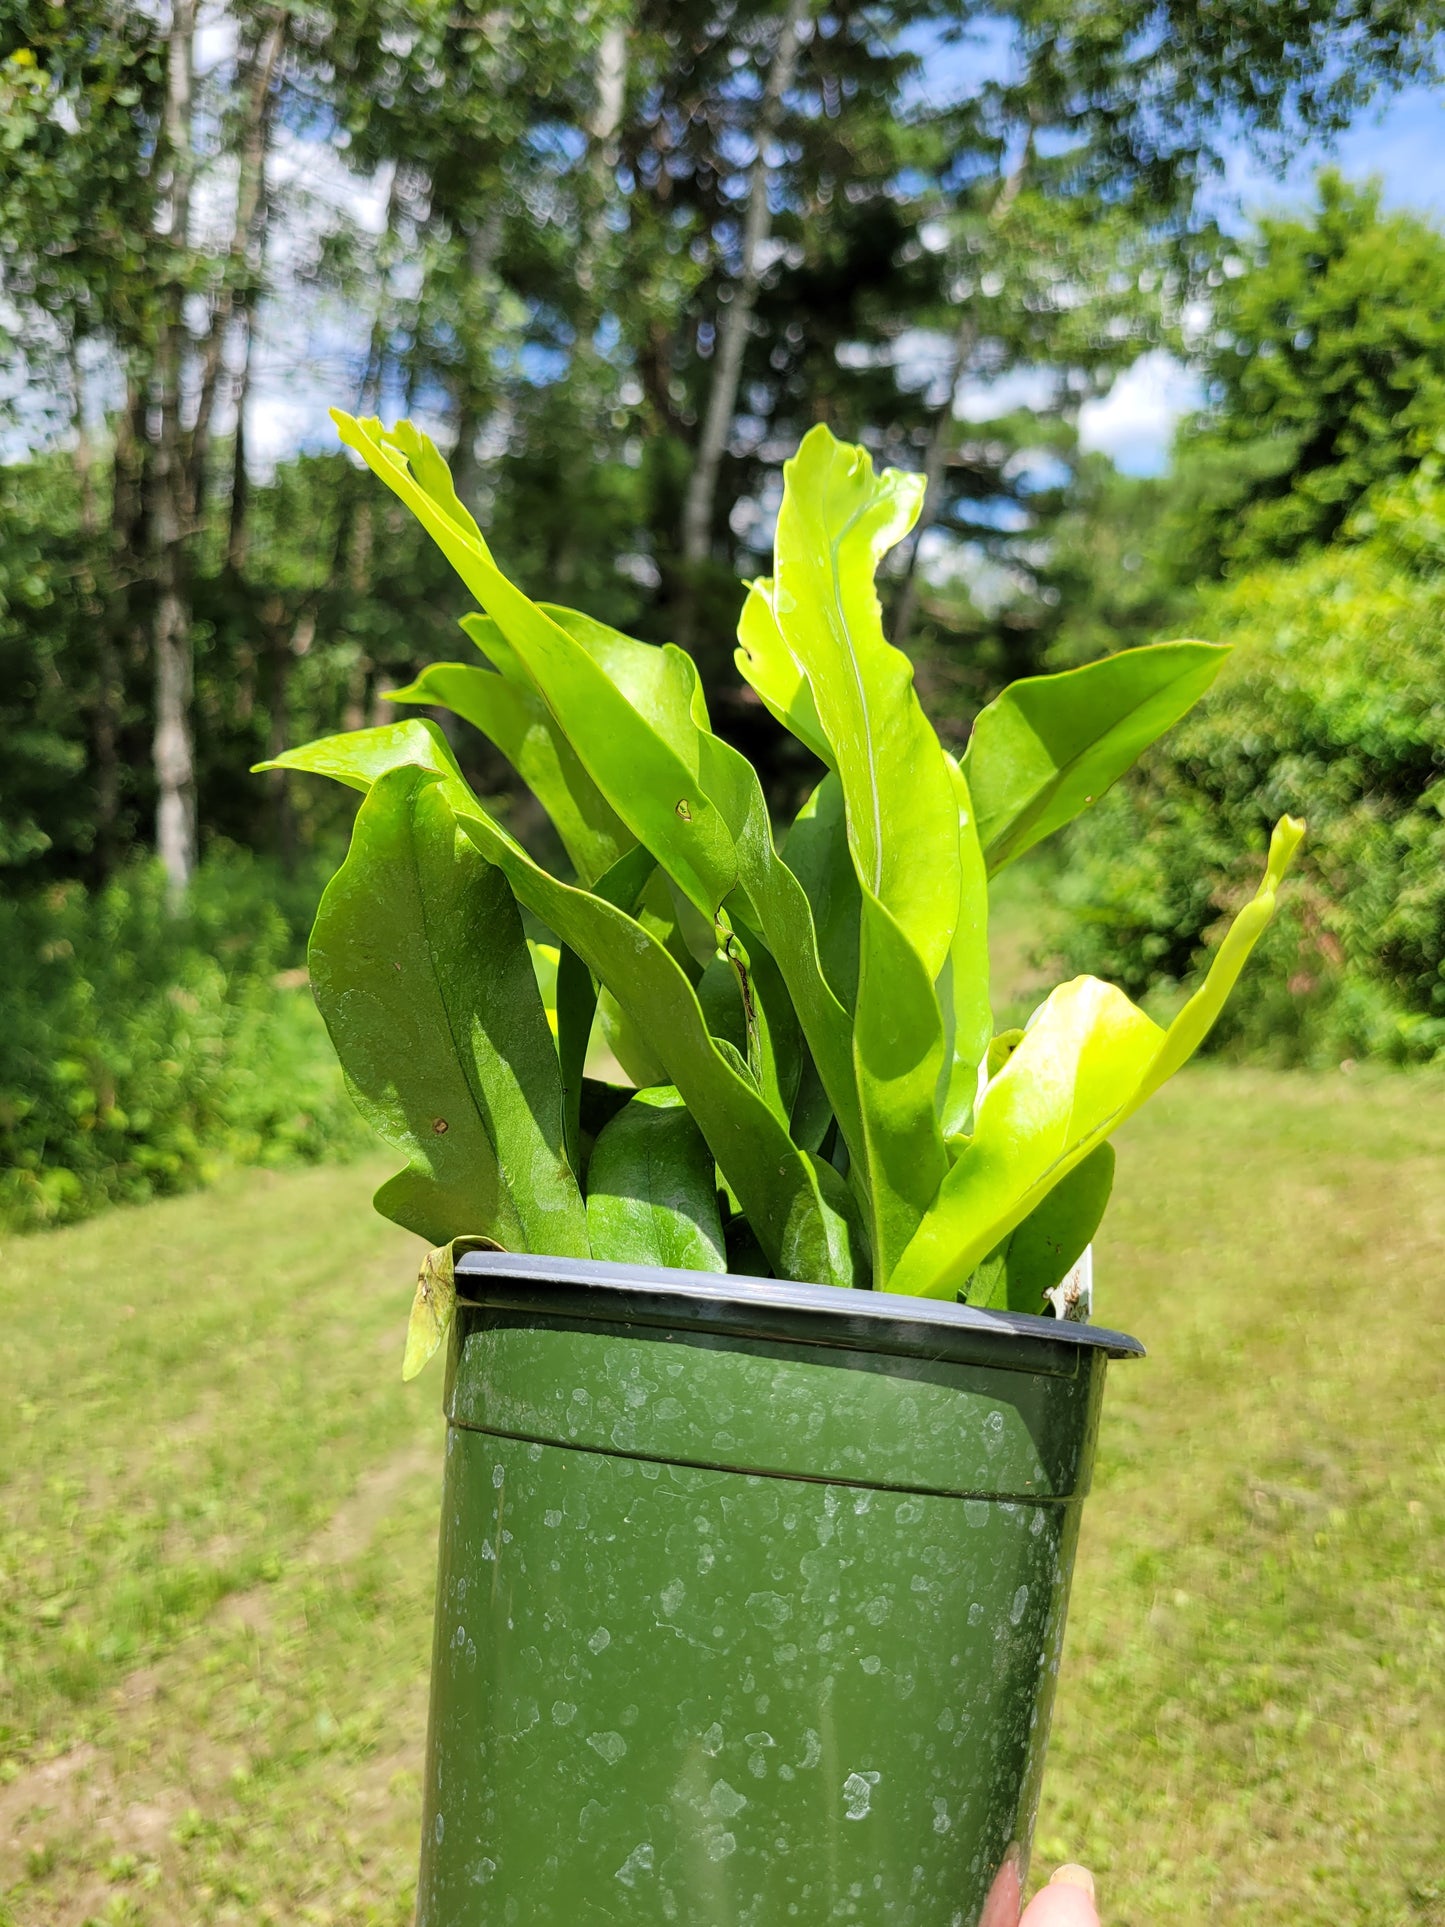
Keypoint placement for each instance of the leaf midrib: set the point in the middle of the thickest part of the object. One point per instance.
(834, 545)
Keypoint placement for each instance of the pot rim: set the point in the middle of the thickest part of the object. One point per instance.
(764, 1308)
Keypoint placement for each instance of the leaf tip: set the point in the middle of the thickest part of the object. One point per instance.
(1285, 839)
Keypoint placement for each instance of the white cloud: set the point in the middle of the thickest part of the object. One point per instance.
(1134, 422)
(1033, 389)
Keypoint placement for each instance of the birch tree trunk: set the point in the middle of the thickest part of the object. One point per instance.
(483, 247)
(105, 712)
(236, 296)
(248, 250)
(735, 318)
(171, 640)
(602, 130)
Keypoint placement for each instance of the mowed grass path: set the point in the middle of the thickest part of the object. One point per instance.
(218, 1515)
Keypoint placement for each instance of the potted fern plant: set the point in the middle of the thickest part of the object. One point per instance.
(764, 1467)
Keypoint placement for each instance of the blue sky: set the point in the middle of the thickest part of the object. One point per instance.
(1402, 141)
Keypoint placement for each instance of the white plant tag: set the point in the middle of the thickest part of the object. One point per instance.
(1073, 1296)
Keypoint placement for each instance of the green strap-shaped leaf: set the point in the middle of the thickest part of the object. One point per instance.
(545, 959)
(421, 971)
(517, 720)
(359, 756)
(963, 993)
(1196, 1020)
(652, 1189)
(849, 1255)
(775, 905)
(765, 661)
(837, 521)
(651, 787)
(774, 1182)
(1066, 1086)
(1087, 1061)
(900, 1062)
(658, 681)
(1050, 1241)
(817, 853)
(1050, 745)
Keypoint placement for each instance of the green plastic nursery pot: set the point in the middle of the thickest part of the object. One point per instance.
(751, 1598)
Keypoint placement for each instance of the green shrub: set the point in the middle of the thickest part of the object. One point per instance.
(1334, 701)
(140, 1052)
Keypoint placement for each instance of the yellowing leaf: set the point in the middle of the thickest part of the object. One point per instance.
(435, 1304)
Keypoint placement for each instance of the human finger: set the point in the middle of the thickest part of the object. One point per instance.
(1067, 1901)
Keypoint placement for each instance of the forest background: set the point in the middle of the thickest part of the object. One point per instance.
(617, 258)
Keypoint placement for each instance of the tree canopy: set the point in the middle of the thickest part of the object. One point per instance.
(620, 257)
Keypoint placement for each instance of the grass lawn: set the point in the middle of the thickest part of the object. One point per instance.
(218, 1513)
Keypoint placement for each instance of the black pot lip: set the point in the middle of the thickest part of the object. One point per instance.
(765, 1307)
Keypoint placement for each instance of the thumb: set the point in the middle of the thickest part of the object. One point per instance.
(1067, 1901)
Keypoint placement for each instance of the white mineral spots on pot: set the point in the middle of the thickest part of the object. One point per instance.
(726, 1801)
(858, 1793)
(770, 1610)
(638, 1861)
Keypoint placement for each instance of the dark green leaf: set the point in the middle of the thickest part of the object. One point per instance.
(1052, 1239)
(652, 1189)
(773, 1181)
(421, 971)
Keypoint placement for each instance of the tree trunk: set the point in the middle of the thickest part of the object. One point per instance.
(602, 129)
(236, 297)
(252, 213)
(105, 709)
(282, 651)
(129, 495)
(735, 318)
(238, 536)
(171, 639)
(483, 247)
(935, 458)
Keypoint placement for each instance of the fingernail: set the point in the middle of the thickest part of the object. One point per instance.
(1072, 1876)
